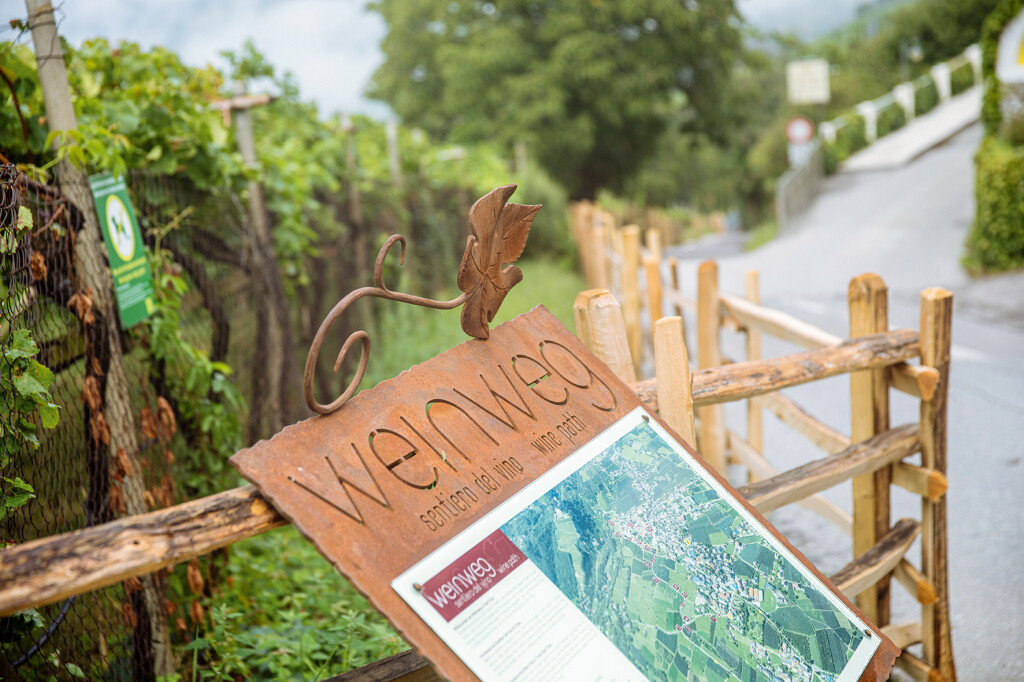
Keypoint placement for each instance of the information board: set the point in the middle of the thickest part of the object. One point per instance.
(404, 468)
(628, 561)
(133, 281)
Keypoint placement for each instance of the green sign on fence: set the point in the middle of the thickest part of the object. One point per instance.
(133, 282)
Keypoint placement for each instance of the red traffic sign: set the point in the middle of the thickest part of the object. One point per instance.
(799, 130)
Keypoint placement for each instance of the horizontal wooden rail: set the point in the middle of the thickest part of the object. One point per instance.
(676, 297)
(918, 670)
(813, 477)
(879, 561)
(757, 377)
(407, 666)
(746, 454)
(918, 381)
(50, 569)
(915, 582)
(903, 634)
(927, 483)
(794, 416)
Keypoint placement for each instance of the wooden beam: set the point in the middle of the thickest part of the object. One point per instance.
(936, 339)
(918, 670)
(857, 460)
(903, 634)
(672, 367)
(915, 380)
(869, 399)
(676, 297)
(607, 332)
(794, 416)
(581, 315)
(825, 508)
(867, 569)
(927, 483)
(746, 379)
(709, 354)
(50, 569)
(919, 587)
(652, 272)
(631, 293)
(777, 323)
(755, 415)
(407, 666)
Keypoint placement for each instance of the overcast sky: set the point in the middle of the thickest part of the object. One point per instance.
(332, 46)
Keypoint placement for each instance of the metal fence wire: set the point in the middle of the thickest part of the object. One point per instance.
(106, 634)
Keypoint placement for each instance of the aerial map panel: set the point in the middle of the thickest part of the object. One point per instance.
(628, 561)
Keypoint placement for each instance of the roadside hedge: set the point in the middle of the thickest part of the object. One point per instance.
(996, 239)
(891, 118)
(961, 78)
(926, 97)
(991, 115)
(850, 138)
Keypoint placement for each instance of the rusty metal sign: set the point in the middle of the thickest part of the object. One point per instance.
(381, 480)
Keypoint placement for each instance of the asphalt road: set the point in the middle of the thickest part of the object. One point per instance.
(908, 225)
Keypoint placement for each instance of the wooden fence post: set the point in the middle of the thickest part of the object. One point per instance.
(672, 368)
(755, 422)
(936, 338)
(869, 401)
(104, 357)
(631, 292)
(604, 331)
(709, 354)
(652, 271)
(600, 256)
(652, 240)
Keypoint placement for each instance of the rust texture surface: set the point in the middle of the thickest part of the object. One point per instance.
(404, 467)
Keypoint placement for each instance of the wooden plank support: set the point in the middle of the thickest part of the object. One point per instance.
(50, 569)
(407, 666)
(936, 339)
(903, 634)
(631, 293)
(919, 587)
(604, 331)
(866, 570)
(927, 483)
(709, 354)
(672, 367)
(857, 460)
(755, 415)
(652, 272)
(914, 380)
(918, 670)
(869, 400)
(746, 379)
(676, 298)
(762, 468)
(794, 416)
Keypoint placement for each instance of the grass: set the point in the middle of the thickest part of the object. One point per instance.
(761, 235)
(286, 613)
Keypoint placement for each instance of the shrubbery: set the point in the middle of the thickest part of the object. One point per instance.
(850, 138)
(996, 240)
(890, 118)
(926, 96)
(961, 78)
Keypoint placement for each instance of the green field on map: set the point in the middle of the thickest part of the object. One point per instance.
(675, 576)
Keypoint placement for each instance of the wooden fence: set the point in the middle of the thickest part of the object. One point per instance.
(872, 456)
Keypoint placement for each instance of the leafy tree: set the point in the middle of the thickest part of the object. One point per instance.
(587, 84)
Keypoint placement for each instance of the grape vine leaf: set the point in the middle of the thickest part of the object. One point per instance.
(499, 231)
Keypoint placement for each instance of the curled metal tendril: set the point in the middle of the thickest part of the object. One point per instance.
(378, 291)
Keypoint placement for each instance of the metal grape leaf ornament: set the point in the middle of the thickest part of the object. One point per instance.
(499, 236)
(499, 231)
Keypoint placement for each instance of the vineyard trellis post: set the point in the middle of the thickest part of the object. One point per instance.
(109, 424)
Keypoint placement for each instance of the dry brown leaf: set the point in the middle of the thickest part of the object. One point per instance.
(195, 576)
(91, 393)
(167, 420)
(132, 585)
(499, 236)
(147, 424)
(180, 624)
(170, 607)
(98, 428)
(116, 501)
(129, 614)
(124, 463)
(37, 263)
(148, 498)
(196, 611)
(168, 457)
